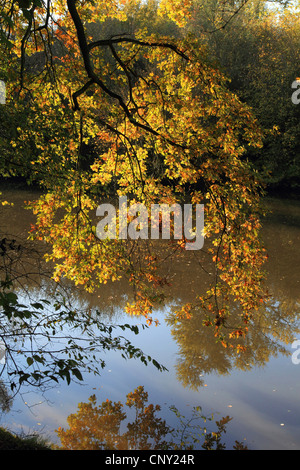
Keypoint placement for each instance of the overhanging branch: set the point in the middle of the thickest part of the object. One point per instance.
(85, 49)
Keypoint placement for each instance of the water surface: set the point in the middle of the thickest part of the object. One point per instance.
(259, 390)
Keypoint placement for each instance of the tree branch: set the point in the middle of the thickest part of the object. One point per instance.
(165, 45)
(85, 49)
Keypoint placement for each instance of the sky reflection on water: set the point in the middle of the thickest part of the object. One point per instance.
(261, 394)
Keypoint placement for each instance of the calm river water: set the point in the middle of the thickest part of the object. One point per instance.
(261, 391)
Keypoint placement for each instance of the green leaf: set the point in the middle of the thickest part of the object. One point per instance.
(29, 361)
(38, 359)
(37, 305)
(11, 298)
(77, 374)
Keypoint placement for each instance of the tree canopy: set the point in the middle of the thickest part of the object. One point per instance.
(100, 105)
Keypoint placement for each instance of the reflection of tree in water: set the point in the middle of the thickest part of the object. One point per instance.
(107, 427)
(199, 353)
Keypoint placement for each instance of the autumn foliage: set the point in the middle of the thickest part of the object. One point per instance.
(99, 427)
(148, 117)
(135, 425)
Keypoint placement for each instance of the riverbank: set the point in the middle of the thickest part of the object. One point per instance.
(9, 441)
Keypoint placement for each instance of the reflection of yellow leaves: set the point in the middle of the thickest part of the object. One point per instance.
(98, 427)
(7, 203)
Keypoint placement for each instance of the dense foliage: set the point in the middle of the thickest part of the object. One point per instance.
(103, 103)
